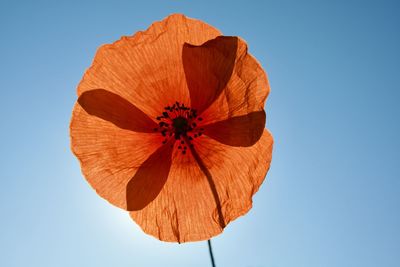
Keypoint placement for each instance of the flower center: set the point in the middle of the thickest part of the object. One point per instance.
(181, 126)
(179, 122)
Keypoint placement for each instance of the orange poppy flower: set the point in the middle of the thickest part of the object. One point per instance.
(169, 125)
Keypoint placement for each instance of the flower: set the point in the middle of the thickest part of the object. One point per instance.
(169, 125)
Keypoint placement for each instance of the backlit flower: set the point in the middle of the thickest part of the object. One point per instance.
(169, 125)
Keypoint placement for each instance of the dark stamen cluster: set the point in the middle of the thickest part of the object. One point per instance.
(179, 122)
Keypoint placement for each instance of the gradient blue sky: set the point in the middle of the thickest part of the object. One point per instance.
(332, 196)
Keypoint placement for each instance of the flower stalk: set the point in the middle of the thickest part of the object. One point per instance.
(211, 253)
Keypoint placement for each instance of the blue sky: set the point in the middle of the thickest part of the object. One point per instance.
(332, 196)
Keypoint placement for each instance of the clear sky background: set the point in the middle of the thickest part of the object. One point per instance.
(332, 196)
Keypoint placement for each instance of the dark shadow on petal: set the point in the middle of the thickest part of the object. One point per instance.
(149, 179)
(115, 109)
(213, 188)
(208, 68)
(243, 130)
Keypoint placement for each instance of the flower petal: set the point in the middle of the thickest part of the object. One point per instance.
(149, 179)
(208, 68)
(109, 156)
(146, 69)
(115, 109)
(245, 92)
(238, 131)
(187, 208)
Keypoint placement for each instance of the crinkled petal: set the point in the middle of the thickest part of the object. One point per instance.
(190, 206)
(113, 108)
(149, 179)
(208, 68)
(146, 69)
(242, 130)
(109, 155)
(245, 92)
